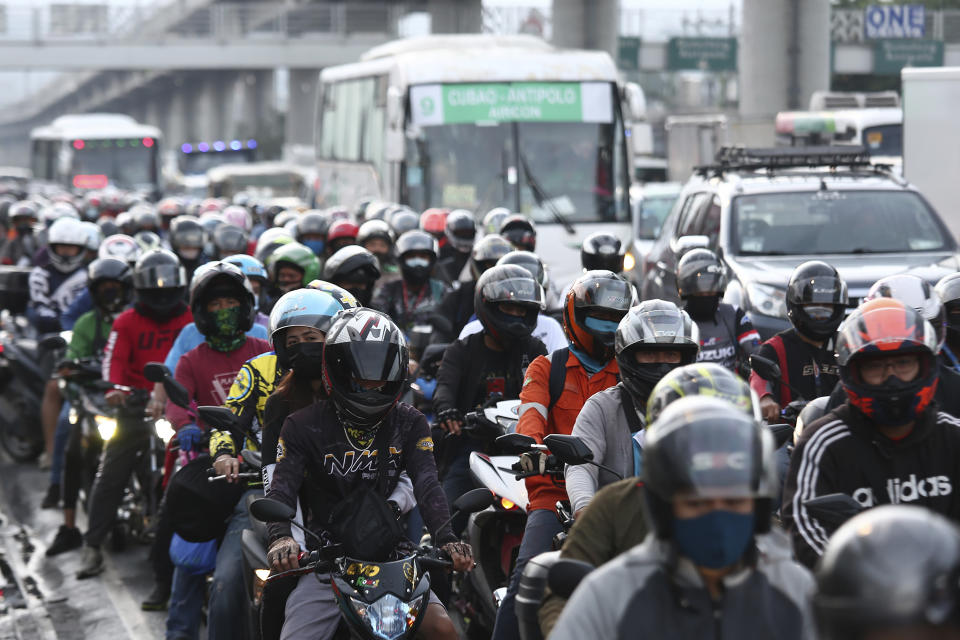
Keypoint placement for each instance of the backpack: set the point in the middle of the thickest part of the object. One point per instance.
(558, 374)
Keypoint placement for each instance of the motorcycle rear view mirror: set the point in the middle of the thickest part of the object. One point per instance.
(176, 392)
(568, 449)
(268, 510)
(473, 501)
(53, 342)
(781, 433)
(252, 458)
(219, 417)
(833, 509)
(156, 371)
(765, 368)
(515, 443)
(565, 574)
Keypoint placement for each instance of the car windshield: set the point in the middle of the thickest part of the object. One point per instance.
(653, 211)
(549, 163)
(884, 140)
(824, 222)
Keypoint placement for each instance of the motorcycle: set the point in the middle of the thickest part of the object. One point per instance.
(377, 600)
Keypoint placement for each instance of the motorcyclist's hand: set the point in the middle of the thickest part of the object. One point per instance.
(190, 437)
(158, 401)
(412, 367)
(115, 398)
(461, 555)
(534, 461)
(284, 554)
(452, 426)
(769, 409)
(227, 465)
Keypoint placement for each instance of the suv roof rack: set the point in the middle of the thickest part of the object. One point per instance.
(746, 159)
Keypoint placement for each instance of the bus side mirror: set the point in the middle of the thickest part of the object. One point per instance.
(641, 139)
(636, 102)
(395, 143)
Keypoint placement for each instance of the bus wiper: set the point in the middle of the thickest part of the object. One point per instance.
(541, 198)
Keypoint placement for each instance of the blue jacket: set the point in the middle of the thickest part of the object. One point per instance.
(191, 337)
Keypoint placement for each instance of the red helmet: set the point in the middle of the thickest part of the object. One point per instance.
(885, 327)
(434, 222)
(596, 291)
(342, 229)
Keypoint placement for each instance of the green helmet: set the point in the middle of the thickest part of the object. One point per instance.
(297, 255)
(701, 379)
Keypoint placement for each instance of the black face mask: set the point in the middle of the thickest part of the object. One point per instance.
(161, 305)
(306, 359)
(702, 307)
(24, 229)
(640, 379)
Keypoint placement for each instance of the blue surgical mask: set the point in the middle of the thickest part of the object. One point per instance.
(714, 540)
(601, 326)
(315, 245)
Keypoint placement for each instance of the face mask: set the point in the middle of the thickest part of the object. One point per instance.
(189, 254)
(110, 299)
(714, 540)
(24, 229)
(590, 364)
(415, 270)
(640, 379)
(702, 307)
(226, 335)
(601, 326)
(315, 245)
(306, 359)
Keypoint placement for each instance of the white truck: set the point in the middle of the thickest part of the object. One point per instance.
(931, 137)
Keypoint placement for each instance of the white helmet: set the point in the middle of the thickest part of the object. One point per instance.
(94, 235)
(120, 246)
(238, 216)
(68, 231)
(51, 213)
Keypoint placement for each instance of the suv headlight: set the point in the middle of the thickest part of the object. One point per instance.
(768, 300)
(107, 426)
(389, 617)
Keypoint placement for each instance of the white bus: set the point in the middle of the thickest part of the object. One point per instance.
(480, 121)
(96, 150)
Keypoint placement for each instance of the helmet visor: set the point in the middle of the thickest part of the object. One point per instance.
(189, 238)
(516, 290)
(820, 290)
(884, 330)
(603, 293)
(652, 327)
(160, 276)
(372, 359)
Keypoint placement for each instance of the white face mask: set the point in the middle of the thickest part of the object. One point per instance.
(189, 254)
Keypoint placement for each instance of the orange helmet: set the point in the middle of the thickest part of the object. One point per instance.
(594, 292)
(885, 327)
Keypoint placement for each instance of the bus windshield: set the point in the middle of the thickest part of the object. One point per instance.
(541, 168)
(129, 167)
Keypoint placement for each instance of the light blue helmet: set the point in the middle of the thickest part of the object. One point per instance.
(309, 307)
(251, 267)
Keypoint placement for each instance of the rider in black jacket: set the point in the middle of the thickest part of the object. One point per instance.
(337, 445)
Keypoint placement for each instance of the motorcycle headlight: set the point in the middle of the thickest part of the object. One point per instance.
(73, 416)
(770, 301)
(389, 617)
(629, 262)
(164, 430)
(107, 426)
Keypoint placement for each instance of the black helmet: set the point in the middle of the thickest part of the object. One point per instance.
(891, 567)
(355, 269)
(363, 345)
(707, 447)
(507, 284)
(702, 379)
(312, 222)
(375, 229)
(107, 226)
(653, 325)
(595, 291)
(915, 292)
(486, 253)
(220, 279)
(416, 269)
(229, 240)
(519, 231)
(160, 282)
(949, 290)
(461, 230)
(529, 261)
(816, 283)
(700, 271)
(145, 218)
(186, 232)
(110, 270)
(602, 250)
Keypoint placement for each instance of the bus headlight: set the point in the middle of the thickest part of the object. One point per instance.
(164, 429)
(107, 426)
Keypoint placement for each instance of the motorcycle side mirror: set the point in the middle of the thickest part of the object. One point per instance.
(781, 433)
(473, 501)
(269, 510)
(568, 449)
(514, 443)
(53, 343)
(833, 509)
(156, 371)
(252, 458)
(766, 369)
(176, 392)
(219, 417)
(565, 574)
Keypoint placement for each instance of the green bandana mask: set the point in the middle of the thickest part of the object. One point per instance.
(226, 335)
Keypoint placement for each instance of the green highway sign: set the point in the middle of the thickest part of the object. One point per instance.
(702, 54)
(892, 55)
(628, 53)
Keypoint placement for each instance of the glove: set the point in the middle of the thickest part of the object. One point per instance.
(461, 555)
(450, 415)
(283, 554)
(534, 461)
(190, 437)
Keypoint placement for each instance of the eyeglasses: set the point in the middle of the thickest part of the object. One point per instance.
(901, 366)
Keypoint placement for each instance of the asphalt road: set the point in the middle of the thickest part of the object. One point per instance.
(40, 597)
